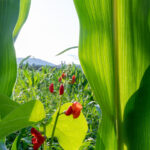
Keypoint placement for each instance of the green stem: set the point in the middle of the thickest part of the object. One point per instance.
(44, 146)
(57, 116)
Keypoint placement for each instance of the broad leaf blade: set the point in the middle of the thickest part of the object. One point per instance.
(137, 114)
(6, 106)
(70, 132)
(114, 54)
(21, 117)
(9, 11)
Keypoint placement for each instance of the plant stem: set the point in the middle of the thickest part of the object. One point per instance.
(57, 116)
(44, 146)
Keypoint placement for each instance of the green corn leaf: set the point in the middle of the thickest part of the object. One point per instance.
(70, 132)
(6, 106)
(23, 14)
(66, 50)
(23, 60)
(9, 13)
(114, 51)
(21, 117)
(137, 114)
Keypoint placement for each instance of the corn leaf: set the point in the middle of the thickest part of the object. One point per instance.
(70, 132)
(23, 14)
(66, 50)
(12, 115)
(23, 60)
(9, 11)
(137, 114)
(21, 117)
(114, 51)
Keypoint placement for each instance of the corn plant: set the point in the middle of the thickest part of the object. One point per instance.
(114, 52)
(15, 116)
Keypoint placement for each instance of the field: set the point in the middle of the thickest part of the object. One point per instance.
(33, 84)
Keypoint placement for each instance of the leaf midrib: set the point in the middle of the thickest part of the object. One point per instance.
(117, 77)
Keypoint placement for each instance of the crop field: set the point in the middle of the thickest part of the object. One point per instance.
(103, 106)
(33, 84)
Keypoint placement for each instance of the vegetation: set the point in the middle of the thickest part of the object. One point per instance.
(114, 51)
(34, 85)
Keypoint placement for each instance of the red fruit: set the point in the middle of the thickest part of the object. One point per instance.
(69, 111)
(76, 109)
(63, 75)
(51, 88)
(73, 79)
(61, 89)
(37, 140)
(60, 79)
(76, 114)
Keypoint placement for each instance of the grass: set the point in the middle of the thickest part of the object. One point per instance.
(33, 84)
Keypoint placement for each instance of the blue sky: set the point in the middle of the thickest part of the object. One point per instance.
(51, 27)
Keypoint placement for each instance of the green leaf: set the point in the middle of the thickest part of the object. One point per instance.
(23, 14)
(23, 60)
(6, 105)
(66, 50)
(21, 117)
(9, 11)
(70, 132)
(137, 114)
(114, 51)
(15, 144)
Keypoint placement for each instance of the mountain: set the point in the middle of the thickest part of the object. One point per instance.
(35, 62)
